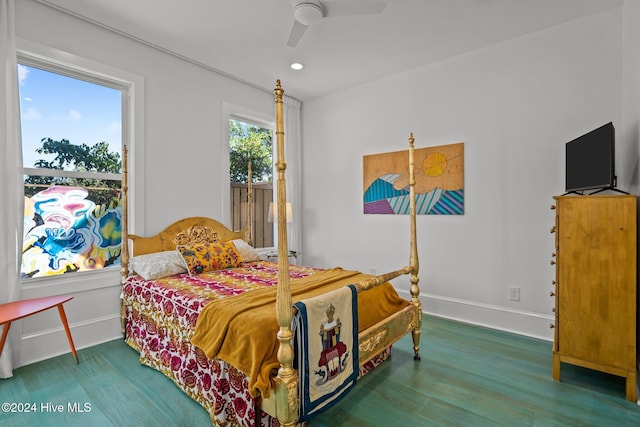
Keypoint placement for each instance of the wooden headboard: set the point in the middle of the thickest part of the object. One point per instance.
(185, 231)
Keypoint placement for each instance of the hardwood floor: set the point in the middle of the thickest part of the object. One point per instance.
(468, 376)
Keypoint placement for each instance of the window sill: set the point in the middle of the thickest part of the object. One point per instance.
(71, 283)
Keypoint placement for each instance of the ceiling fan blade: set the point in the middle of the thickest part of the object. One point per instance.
(295, 34)
(352, 7)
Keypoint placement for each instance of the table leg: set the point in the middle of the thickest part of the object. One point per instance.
(63, 317)
(5, 331)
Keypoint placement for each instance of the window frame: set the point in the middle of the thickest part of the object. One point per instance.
(237, 112)
(270, 127)
(132, 87)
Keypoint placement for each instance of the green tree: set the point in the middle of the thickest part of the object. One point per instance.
(249, 143)
(84, 158)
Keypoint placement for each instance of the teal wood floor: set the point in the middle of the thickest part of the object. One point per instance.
(468, 376)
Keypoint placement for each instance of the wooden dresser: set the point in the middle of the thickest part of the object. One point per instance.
(595, 287)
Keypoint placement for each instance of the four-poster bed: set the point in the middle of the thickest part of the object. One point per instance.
(201, 306)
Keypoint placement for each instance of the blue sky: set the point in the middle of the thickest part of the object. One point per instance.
(59, 107)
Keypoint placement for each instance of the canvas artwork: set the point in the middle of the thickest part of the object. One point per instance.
(439, 173)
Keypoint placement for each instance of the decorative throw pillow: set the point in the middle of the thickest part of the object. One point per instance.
(246, 251)
(158, 265)
(204, 257)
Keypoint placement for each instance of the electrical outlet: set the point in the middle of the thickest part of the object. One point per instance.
(514, 293)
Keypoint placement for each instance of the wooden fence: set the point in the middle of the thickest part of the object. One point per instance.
(262, 196)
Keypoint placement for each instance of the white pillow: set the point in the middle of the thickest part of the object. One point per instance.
(246, 251)
(158, 265)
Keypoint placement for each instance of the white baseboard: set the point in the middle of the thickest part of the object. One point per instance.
(520, 322)
(52, 342)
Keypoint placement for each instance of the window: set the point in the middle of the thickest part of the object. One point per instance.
(250, 142)
(72, 154)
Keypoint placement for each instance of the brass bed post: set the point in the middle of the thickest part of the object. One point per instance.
(249, 233)
(413, 257)
(286, 383)
(124, 242)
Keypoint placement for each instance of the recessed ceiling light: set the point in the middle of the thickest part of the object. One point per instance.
(297, 66)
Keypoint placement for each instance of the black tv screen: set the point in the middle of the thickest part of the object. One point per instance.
(590, 160)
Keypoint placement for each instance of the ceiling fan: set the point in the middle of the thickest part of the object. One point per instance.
(308, 12)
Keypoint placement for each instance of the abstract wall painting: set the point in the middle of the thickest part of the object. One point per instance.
(439, 173)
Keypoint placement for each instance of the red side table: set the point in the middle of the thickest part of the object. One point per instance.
(18, 309)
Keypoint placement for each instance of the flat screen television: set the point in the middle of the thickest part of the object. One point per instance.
(590, 160)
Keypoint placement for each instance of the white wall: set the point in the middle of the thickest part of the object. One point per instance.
(182, 155)
(630, 132)
(514, 105)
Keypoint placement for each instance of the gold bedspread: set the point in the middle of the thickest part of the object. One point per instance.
(241, 330)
